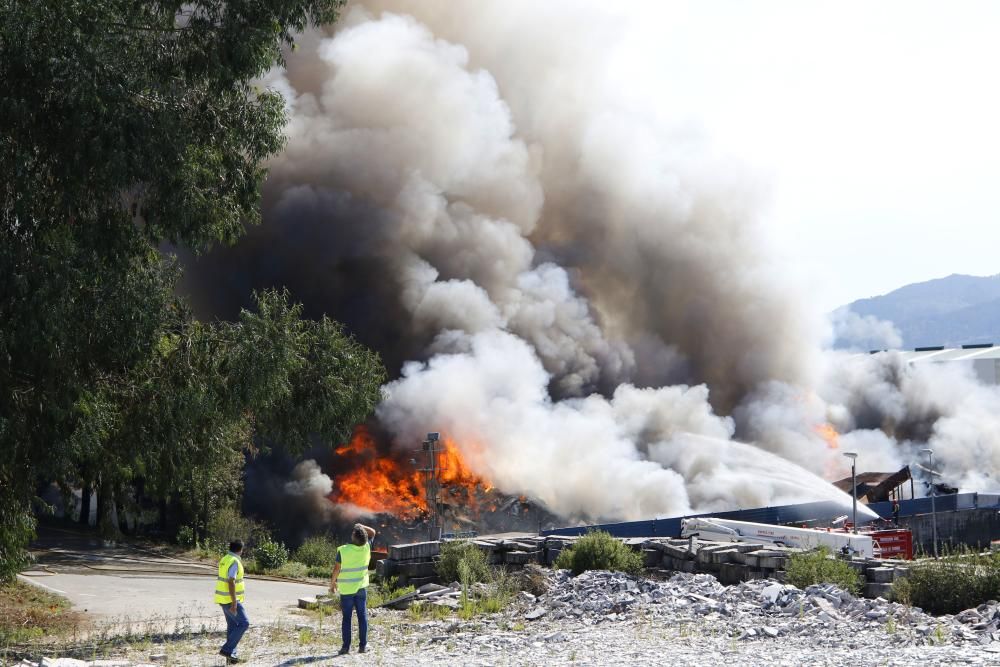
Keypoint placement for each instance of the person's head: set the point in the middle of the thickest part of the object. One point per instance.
(359, 536)
(236, 546)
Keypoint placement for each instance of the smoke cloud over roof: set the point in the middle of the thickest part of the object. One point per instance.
(575, 291)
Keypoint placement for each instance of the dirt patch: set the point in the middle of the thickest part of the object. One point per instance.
(29, 613)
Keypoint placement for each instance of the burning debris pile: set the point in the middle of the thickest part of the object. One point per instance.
(571, 288)
(374, 479)
(385, 484)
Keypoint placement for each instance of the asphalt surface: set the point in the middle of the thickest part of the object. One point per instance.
(127, 586)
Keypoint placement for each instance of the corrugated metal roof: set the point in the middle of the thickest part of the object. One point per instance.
(951, 354)
(984, 359)
(875, 486)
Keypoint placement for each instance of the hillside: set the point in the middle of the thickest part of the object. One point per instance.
(950, 311)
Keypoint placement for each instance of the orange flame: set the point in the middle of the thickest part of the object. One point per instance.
(385, 485)
(829, 434)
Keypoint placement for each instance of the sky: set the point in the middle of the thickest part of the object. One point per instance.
(873, 128)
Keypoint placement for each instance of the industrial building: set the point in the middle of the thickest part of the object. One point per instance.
(983, 358)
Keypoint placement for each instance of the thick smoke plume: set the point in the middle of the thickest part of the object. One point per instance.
(574, 290)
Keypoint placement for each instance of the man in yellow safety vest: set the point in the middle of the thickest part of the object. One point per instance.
(229, 593)
(350, 579)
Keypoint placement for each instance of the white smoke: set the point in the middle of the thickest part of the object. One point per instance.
(864, 332)
(603, 321)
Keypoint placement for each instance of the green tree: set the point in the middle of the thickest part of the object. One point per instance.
(125, 124)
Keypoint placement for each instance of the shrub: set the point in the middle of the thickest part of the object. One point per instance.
(819, 567)
(293, 570)
(269, 554)
(532, 579)
(487, 598)
(318, 551)
(227, 525)
(186, 537)
(598, 550)
(951, 584)
(319, 572)
(462, 561)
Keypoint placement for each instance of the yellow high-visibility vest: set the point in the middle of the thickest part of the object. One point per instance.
(353, 568)
(222, 595)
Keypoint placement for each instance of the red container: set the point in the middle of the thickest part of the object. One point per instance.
(894, 543)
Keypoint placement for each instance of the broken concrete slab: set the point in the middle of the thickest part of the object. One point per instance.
(536, 613)
(414, 550)
(425, 568)
(878, 590)
(520, 557)
(881, 575)
(402, 602)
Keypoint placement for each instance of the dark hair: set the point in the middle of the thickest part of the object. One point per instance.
(359, 536)
(236, 546)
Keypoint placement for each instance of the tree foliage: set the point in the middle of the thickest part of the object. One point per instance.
(124, 125)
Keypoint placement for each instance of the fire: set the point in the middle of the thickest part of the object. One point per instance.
(385, 484)
(829, 434)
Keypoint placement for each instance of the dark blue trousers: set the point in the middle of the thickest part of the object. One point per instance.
(348, 603)
(236, 625)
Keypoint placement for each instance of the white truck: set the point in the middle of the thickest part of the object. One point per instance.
(727, 530)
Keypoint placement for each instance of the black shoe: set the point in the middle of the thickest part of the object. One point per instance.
(344, 650)
(361, 649)
(223, 654)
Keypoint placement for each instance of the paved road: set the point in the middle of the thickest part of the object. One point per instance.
(127, 586)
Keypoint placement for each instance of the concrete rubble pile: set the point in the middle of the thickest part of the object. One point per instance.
(758, 609)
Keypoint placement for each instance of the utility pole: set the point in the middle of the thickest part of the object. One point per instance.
(854, 490)
(433, 506)
(930, 469)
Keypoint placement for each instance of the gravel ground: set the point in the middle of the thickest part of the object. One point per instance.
(604, 618)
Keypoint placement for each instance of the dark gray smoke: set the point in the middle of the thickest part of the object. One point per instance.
(574, 291)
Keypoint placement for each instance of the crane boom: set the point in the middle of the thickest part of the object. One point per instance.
(728, 530)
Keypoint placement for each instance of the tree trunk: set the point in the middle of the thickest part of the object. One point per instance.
(85, 494)
(162, 522)
(105, 511)
(102, 504)
(122, 520)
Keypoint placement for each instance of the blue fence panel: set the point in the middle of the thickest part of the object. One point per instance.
(884, 509)
(988, 500)
(823, 511)
(671, 526)
(965, 501)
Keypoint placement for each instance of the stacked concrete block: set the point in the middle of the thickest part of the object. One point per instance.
(731, 562)
(414, 564)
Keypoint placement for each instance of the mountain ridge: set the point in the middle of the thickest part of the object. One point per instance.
(955, 310)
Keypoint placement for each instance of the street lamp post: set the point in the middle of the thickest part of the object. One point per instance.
(930, 469)
(854, 490)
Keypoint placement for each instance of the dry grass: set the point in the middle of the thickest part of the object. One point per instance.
(29, 613)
